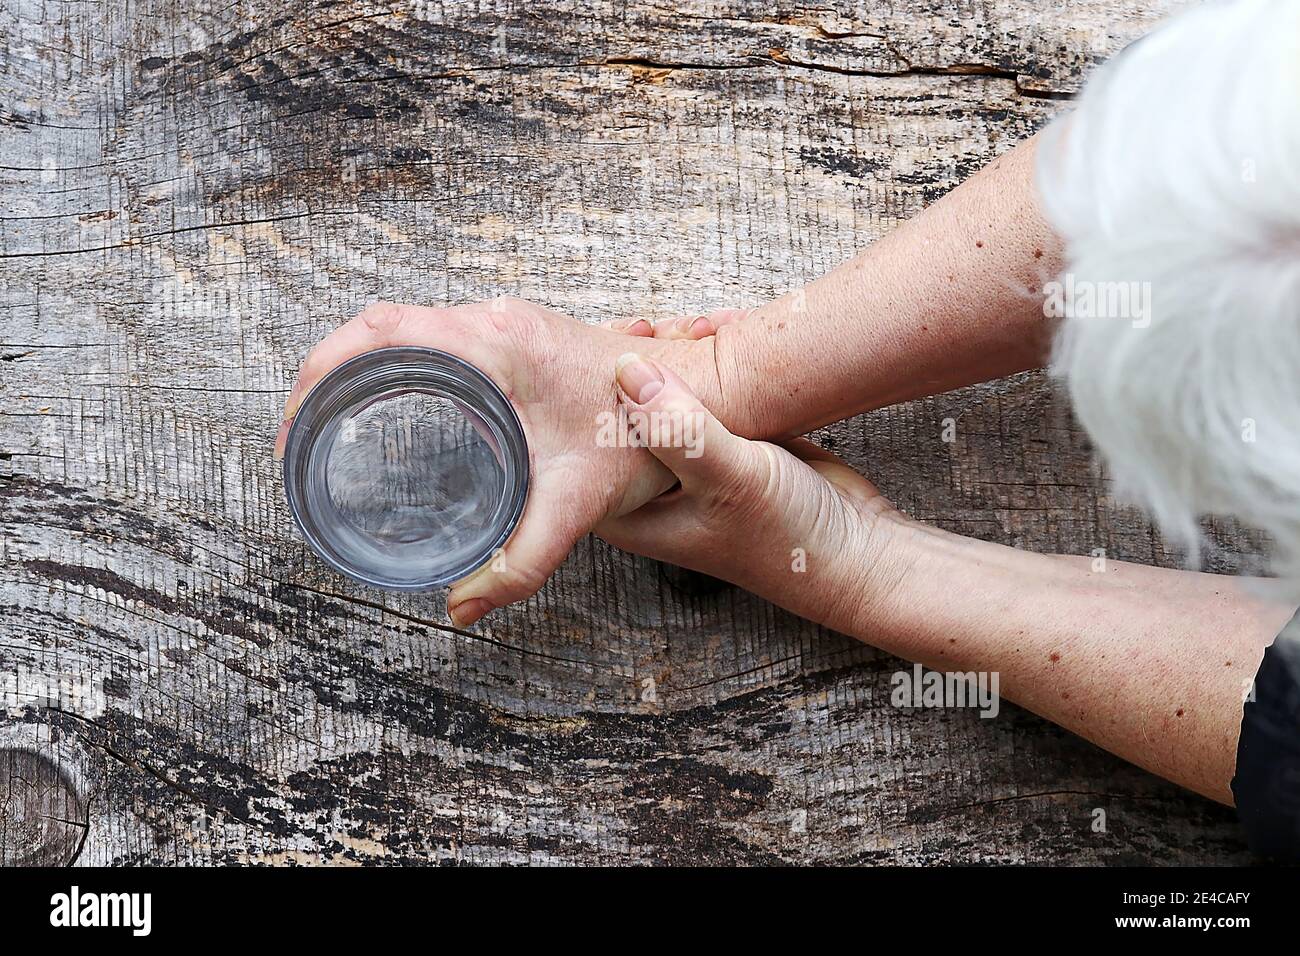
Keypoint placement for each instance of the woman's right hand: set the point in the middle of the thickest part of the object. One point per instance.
(555, 371)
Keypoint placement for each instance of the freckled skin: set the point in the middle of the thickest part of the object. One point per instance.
(917, 313)
(950, 298)
(978, 322)
(1142, 643)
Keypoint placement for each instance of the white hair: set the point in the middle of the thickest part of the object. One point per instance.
(1176, 187)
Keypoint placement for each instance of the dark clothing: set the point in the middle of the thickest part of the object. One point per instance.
(1267, 782)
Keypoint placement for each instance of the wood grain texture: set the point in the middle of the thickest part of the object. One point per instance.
(193, 196)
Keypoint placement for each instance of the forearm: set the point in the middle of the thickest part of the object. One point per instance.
(949, 298)
(1150, 664)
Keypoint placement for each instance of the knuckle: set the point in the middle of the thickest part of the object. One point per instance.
(310, 361)
(507, 313)
(678, 405)
(517, 583)
(314, 364)
(383, 319)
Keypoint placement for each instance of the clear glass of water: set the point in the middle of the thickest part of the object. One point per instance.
(406, 468)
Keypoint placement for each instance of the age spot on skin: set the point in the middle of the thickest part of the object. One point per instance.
(1178, 712)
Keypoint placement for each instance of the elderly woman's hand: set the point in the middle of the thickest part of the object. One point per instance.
(689, 327)
(791, 523)
(555, 371)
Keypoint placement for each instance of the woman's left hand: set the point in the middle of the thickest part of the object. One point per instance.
(792, 523)
(688, 327)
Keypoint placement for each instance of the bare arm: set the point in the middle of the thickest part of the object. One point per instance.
(1151, 664)
(1148, 663)
(950, 298)
(926, 309)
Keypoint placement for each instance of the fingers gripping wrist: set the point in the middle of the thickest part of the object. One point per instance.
(665, 416)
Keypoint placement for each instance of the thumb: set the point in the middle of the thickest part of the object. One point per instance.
(550, 526)
(665, 417)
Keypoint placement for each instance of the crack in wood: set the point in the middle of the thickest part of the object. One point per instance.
(780, 57)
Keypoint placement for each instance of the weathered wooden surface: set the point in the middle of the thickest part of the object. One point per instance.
(195, 193)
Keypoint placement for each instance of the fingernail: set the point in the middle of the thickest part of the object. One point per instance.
(467, 612)
(699, 328)
(687, 322)
(291, 403)
(639, 379)
(280, 438)
(481, 573)
(627, 325)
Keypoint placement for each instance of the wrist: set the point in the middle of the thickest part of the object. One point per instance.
(871, 586)
(695, 360)
(721, 370)
(853, 568)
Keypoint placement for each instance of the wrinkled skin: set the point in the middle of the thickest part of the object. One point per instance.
(791, 522)
(559, 374)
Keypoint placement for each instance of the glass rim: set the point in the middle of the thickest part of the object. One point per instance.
(389, 371)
